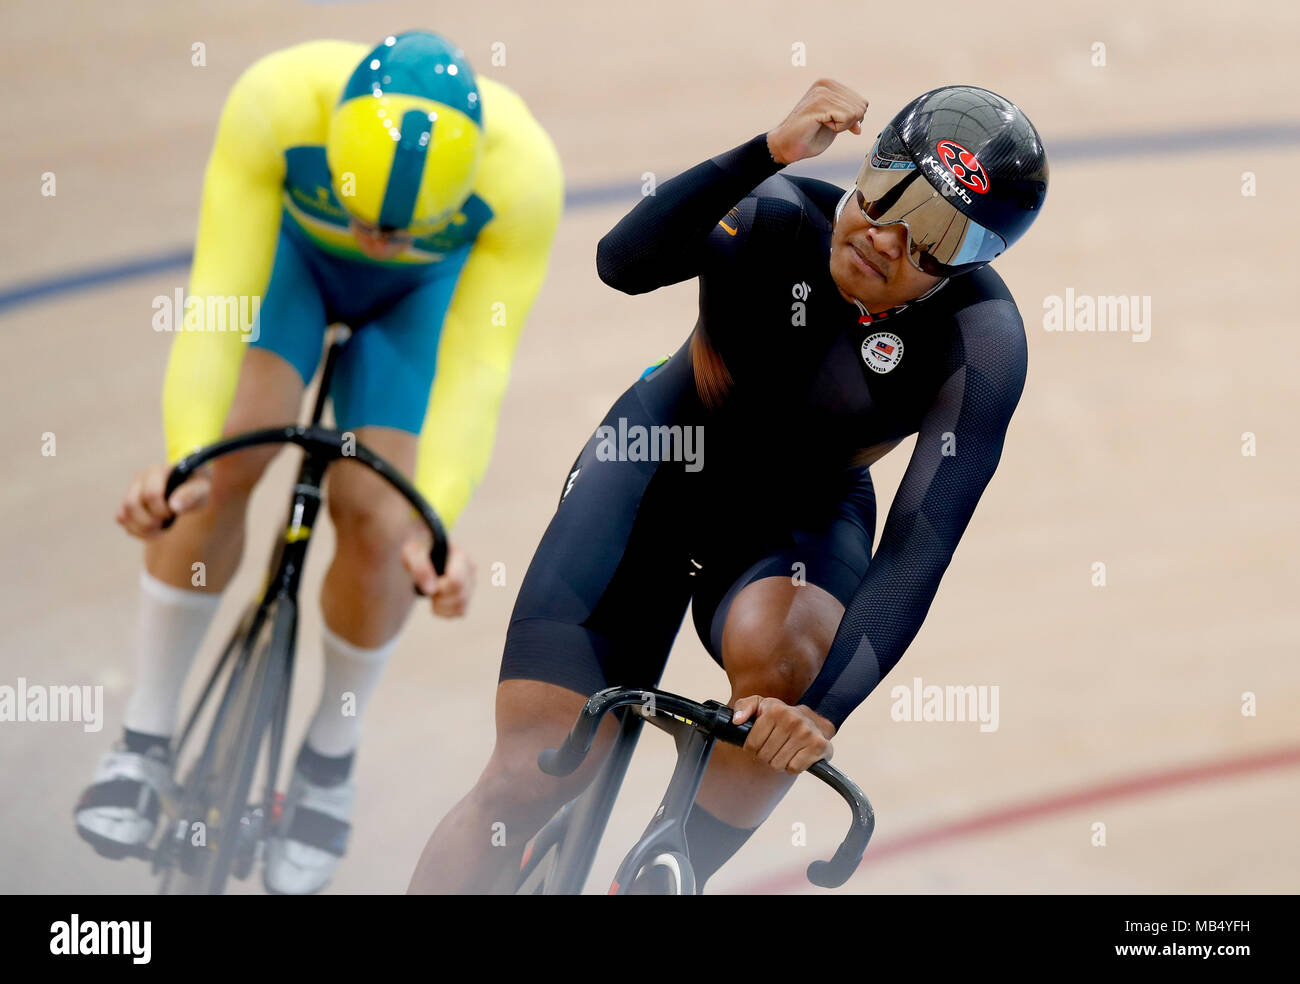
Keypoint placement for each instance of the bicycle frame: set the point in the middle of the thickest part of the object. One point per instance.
(666, 831)
(580, 824)
(281, 592)
(275, 611)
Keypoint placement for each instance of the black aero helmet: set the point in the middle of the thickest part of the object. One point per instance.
(980, 156)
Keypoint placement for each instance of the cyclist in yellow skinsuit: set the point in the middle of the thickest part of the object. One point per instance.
(396, 192)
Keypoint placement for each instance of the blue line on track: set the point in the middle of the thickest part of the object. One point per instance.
(1066, 150)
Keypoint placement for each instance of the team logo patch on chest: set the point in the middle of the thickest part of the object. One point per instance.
(882, 352)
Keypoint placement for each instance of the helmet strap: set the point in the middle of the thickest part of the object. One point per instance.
(866, 317)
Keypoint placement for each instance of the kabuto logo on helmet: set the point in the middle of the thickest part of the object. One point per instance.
(950, 187)
(964, 166)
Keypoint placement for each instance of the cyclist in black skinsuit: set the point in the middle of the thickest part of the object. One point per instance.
(797, 376)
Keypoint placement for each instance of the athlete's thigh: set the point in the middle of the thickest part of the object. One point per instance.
(385, 373)
(281, 358)
(776, 614)
(268, 394)
(291, 319)
(608, 586)
(794, 584)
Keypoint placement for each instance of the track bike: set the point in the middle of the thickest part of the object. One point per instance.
(211, 830)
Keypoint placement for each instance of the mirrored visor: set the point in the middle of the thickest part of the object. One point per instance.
(941, 240)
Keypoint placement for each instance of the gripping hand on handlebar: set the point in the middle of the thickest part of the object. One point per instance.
(789, 739)
(450, 594)
(145, 507)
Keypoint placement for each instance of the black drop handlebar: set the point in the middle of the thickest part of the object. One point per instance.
(327, 445)
(714, 719)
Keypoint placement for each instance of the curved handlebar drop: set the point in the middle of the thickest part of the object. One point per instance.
(324, 444)
(564, 760)
(715, 720)
(838, 870)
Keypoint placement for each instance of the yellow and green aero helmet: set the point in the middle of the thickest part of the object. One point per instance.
(405, 138)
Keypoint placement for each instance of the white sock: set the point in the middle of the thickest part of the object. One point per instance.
(173, 622)
(351, 675)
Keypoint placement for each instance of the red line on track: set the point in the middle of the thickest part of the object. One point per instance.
(1138, 785)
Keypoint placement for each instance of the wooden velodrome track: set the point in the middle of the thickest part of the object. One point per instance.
(1119, 705)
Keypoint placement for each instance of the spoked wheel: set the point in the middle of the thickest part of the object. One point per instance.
(215, 832)
(669, 873)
